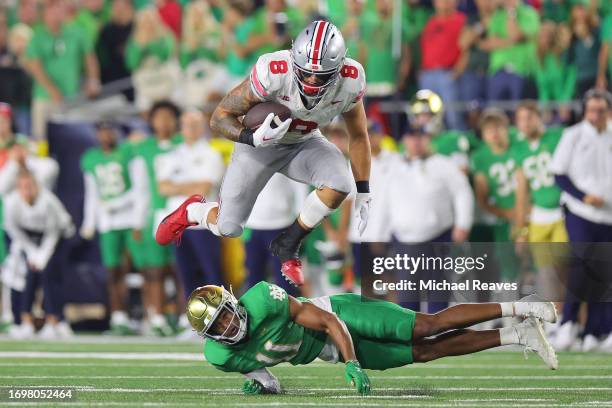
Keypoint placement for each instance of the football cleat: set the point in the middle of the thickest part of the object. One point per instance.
(292, 272)
(291, 266)
(172, 227)
(531, 335)
(533, 306)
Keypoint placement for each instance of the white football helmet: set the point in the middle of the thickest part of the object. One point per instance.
(318, 51)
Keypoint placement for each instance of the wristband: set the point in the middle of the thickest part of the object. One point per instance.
(363, 186)
(246, 137)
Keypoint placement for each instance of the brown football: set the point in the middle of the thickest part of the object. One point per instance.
(258, 113)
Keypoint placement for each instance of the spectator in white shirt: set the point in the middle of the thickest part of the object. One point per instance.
(193, 167)
(36, 222)
(427, 199)
(582, 165)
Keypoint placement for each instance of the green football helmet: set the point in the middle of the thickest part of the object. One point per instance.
(206, 304)
(426, 111)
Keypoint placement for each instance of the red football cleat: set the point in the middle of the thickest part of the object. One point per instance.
(172, 227)
(292, 272)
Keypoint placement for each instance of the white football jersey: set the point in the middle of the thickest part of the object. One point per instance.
(272, 80)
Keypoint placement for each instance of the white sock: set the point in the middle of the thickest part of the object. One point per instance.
(314, 210)
(198, 212)
(119, 317)
(508, 335)
(507, 309)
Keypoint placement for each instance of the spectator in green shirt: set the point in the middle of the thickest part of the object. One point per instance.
(352, 28)
(554, 76)
(57, 56)
(585, 45)
(242, 39)
(202, 53)
(605, 56)
(149, 56)
(279, 24)
(511, 38)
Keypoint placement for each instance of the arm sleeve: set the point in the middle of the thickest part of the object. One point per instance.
(265, 378)
(463, 198)
(8, 174)
(46, 248)
(11, 214)
(90, 202)
(63, 220)
(562, 156)
(49, 170)
(356, 85)
(566, 184)
(138, 177)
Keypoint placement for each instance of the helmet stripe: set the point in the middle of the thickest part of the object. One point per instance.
(321, 28)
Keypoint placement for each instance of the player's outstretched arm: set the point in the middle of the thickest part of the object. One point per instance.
(311, 317)
(359, 142)
(359, 152)
(224, 121)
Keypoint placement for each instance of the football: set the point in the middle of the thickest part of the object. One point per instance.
(258, 113)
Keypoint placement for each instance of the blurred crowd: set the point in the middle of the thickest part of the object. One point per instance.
(56, 54)
(475, 133)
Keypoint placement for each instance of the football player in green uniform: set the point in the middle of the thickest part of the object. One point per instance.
(109, 209)
(267, 327)
(536, 186)
(426, 112)
(151, 208)
(493, 169)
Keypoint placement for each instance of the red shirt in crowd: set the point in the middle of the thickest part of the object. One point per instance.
(440, 41)
(171, 14)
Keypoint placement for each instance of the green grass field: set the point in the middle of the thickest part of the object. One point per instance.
(136, 372)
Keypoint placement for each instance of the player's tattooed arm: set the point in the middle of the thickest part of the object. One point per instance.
(225, 119)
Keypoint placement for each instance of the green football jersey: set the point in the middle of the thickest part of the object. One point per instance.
(450, 142)
(110, 170)
(534, 159)
(272, 337)
(499, 172)
(149, 149)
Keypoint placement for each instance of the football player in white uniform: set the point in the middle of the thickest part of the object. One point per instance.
(317, 82)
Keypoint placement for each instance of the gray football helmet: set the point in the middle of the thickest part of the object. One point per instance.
(319, 52)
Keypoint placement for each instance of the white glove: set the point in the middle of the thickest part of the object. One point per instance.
(266, 135)
(362, 209)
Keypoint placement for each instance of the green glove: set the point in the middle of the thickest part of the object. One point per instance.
(251, 387)
(357, 377)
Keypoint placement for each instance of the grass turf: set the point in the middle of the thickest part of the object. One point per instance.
(174, 374)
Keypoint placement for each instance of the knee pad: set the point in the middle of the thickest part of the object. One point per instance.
(229, 229)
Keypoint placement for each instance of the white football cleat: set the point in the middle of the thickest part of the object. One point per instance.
(566, 336)
(22, 331)
(531, 335)
(606, 344)
(532, 306)
(48, 332)
(63, 330)
(590, 343)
